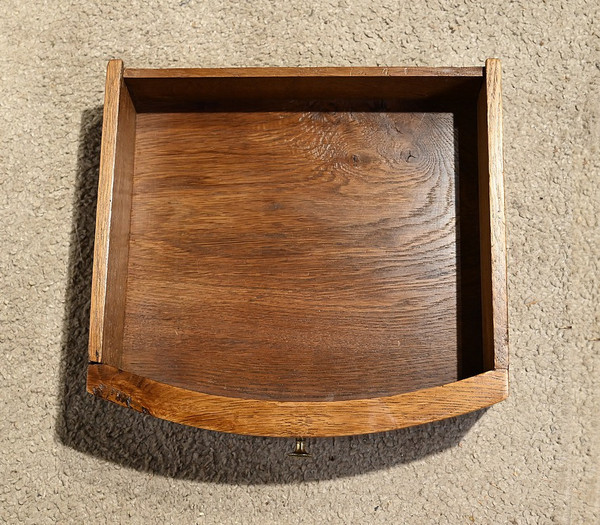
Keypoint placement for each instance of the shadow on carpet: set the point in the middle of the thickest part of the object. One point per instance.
(141, 442)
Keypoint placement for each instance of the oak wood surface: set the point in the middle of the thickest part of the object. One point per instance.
(295, 255)
(469, 322)
(303, 251)
(275, 72)
(111, 246)
(492, 220)
(285, 419)
(211, 89)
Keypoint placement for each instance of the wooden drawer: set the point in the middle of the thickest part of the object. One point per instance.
(300, 252)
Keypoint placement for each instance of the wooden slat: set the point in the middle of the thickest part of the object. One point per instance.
(281, 88)
(304, 72)
(285, 419)
(492, 220)
(112, 220)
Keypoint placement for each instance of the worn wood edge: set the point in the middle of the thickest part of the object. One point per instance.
(114, 77)
(484, 227)
(288, 419)
(120, 222)
(493, 83)
(305, 72)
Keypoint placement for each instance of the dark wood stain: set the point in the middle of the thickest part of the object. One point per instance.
(311, 252)
(300, 255)
(282, 88)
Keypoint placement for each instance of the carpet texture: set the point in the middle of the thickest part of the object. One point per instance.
(69, 458)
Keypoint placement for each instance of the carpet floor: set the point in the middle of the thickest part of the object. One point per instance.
(69, 458)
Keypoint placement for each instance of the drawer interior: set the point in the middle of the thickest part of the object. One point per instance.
(307, 248)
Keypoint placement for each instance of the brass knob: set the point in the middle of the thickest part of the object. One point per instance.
(300, 449)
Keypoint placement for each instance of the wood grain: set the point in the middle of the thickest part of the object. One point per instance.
(299, 256)
(111, 246)
(278, 72)
(312, 252)
(289, 419)
(492, 220)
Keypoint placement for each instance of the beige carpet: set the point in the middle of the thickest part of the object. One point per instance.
(68, 458)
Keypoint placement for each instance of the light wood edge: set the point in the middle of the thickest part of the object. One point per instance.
(288, 419)
(493, 79)
(493, 220)
(305, 72)
(114, 76)
(111, 248)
